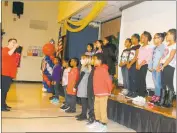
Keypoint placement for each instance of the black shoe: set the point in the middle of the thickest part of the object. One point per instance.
(65, 107)
(90, 122)
(50, 98)
(129, 94)
(8, 107)
(169, 99)
(163, 96)
(133, 95)
(70, 111)
(81, 118)
(5, 109)
(79, 115)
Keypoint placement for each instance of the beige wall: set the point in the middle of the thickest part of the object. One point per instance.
(110, 28)
(43, 11)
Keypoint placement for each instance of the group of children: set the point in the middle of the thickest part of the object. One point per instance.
(160, 59)
(91, 82)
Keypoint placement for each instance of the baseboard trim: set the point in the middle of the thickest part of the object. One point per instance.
(21, 81)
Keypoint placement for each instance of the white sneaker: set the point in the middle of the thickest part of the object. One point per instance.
(101, 128)
(44, 89)
(94, 125)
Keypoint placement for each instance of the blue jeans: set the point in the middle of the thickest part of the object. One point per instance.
(125, 77)
(156, 76)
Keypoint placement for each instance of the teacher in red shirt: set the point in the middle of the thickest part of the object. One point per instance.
(9, 70)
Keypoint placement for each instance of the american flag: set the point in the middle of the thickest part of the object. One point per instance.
(59, 36)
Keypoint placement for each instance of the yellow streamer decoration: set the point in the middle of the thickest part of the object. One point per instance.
(97, 8)
(68, 8)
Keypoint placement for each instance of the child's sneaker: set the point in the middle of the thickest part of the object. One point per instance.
(70, 110)
(55, 101)
(101, 128)
(94, 125)
(44, 89)
(65, 107)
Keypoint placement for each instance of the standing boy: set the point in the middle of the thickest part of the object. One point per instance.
(102, 86)
(72, 80)
(56, 78)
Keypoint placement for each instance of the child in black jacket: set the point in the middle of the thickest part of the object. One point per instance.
(90, 94)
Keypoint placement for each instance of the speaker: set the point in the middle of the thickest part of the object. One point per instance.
(18, 8)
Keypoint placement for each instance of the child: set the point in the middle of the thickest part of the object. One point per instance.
(67, 69)
(99, 44)
(56, 77)
(72, 80)
(144, 56)
(132, 72)
(168, 65)
(90, 93)
(123, 63)
(102, 85)
(82, 86)
(89, 49)
(154, 62)
(94, 47)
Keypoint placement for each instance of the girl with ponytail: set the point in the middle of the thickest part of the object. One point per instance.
(82, 85)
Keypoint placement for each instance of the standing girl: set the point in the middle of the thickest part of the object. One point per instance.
(132, 66)
(99, 45)
(89, 49)
(123, 63)
(154, 62)
(82, 86)
(167, 67)
(144, 56)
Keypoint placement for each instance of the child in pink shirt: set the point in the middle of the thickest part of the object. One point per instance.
(144, 56)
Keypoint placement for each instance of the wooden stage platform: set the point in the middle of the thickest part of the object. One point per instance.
(168, 112)
(141, 119)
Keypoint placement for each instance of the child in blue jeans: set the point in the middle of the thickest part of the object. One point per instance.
(154, 64)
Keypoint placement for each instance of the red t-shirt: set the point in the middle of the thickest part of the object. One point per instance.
(73, 77)
(9, 66)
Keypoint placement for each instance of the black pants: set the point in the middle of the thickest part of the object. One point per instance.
(91, 106)
(133, 78)
(52, 90)
(141, 80)
(72, 102)
(6, 82)
(167, 78)
(84, 102)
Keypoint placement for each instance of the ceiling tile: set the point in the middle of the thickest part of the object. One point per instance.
(110, 11)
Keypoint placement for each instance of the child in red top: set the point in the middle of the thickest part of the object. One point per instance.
(102, 86)
(72, 80)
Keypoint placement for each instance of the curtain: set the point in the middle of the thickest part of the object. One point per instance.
(77, 42)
